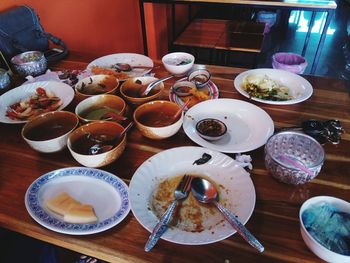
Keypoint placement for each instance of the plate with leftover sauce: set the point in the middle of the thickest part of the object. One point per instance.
(248, 126)
(25, 102)
(87, 186)
(273, 86)
(106, 65)
(209, 92)
(152, 190)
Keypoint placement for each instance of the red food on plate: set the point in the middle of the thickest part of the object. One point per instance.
(26, 109)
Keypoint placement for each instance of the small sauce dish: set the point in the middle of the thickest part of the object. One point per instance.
(211, 129)
(200, 77)
(182, 88)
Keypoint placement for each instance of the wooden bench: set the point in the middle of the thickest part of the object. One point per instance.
(242, 36)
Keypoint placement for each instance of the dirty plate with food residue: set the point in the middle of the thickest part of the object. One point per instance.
(152, 190)
(106, 65)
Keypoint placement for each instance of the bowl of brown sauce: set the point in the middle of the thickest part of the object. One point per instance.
(96, 85)
(49, 131)
(211, 129)
(155, 119)
(132, 88)
(82, 143)
(101, 107)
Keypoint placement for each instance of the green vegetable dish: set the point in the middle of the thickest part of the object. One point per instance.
(262, 87)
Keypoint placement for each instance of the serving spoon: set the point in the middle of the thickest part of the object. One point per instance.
(105, 146)
(127, 67)
(205, 192)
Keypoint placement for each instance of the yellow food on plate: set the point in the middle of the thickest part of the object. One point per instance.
(61, 203)
(108, 71)
(72, 210)
(196, 96)
(80, 214)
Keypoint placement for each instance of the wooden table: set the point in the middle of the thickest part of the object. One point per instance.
(275, 218)
(328, 6)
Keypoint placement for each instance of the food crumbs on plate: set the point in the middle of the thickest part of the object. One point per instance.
(72, 210)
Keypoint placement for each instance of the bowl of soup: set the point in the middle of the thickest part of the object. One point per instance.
(96, 85)
(49, 131)
(83, 141)
(155, 119)
(178, 63)
(132, 89)
(101, 107)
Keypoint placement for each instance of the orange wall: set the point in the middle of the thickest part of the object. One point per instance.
(100, 27)
(96, 27)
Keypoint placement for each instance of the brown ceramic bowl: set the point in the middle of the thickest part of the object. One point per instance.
(78, 143)
(94, 108)
(131, 87)
(49, 131)
(153, 119)
(96, 85)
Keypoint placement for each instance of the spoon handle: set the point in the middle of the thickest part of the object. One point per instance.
(241, 229)
(161, 227)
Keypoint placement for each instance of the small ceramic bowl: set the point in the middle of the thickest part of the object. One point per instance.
(130, 90)
(182, 88)
(49, 131)
(321, 251)
(200, 77)
(29, 63)
(96, 85)
(293, 157)
(78, 143)
(154, 119)
(94, 108)
(211, 129)
(178, 63)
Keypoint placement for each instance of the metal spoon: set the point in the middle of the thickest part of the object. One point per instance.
(127, 67)
(206, 192)
(105, 146)
(144, 92)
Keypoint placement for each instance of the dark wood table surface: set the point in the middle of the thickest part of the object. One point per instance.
(275, 218)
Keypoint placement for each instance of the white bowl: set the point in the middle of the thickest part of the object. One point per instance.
(157, 133)
(313, 245)
(178, 63)
(39, 133)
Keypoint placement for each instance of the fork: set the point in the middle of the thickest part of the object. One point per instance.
(181, 192)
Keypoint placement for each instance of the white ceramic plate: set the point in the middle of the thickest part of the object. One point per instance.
(211, 87)
(299, 87)
(107, 193)
(221, 169)
(61, 90)
(131, 58)
(248, 126)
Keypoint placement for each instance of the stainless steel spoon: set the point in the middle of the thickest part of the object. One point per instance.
(105, 146)
(144, 92)
(205, 192)
(127, 67)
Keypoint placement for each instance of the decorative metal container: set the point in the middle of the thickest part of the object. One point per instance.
(30, 63)
(4, 79)
(293, 157)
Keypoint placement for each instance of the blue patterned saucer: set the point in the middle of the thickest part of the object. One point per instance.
(108, 194)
